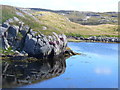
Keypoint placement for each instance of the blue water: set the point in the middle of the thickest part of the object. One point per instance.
(96, 67)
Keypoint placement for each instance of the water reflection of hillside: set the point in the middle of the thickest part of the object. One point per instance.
(20, 73)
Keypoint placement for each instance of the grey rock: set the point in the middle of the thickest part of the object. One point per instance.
(20, 14)
(21, 54)
(16, 52)
(5, 25)
(30, 44)
(100, 39)
(33, 33)
(64, 40)
(5, 44)
(43, 51)
(23, 32)
(55, 34)
(16, 19)
(45, 40)
(13, 31)
(44, 28)
(10, 20)
(22, 23)
(40, 43)
(24, 53)
(50, 38)
(26, 28)
(2, 30)
(16, 44)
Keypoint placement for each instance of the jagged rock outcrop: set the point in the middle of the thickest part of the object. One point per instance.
(23, 38)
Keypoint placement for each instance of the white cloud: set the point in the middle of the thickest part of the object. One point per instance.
(103, 71)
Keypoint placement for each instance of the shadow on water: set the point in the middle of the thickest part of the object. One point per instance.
(17, 73)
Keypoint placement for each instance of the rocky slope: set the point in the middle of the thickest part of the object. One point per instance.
(23, 39)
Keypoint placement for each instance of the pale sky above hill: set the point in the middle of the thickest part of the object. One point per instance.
(80, 5)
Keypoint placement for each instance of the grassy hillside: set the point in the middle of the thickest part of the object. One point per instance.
(57, 23)
(7, 12)
(70, 28)
(93, 18)
(10, 12)
(86, 18)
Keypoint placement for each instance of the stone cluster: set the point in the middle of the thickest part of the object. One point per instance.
(23, 39)
(97, 39)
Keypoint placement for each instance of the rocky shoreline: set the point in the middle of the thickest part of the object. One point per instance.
(96, 39)
(29, 56)
(21, 40)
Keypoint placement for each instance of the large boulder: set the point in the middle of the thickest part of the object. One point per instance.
(29, 44)
(44, 46)
(36, 47)
(13, 31)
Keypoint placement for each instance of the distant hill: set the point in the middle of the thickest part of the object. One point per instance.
(50, 21)
(70, 28)
(55, 11)
(86, 18)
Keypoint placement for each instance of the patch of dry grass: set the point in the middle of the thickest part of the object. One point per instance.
(62, 23)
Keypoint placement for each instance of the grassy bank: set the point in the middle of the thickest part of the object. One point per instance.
(73, 40)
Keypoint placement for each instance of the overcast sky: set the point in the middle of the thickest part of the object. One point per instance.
(80, 5)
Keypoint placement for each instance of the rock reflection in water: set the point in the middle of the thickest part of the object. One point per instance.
(20, 73)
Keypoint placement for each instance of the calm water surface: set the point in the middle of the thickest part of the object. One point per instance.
(97, 67)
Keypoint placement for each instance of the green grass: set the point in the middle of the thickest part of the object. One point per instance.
(7, 12)
(74, 29)
(6, 52)
(78, 16)
(73, 40)
(10, 12)
(59, 24)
